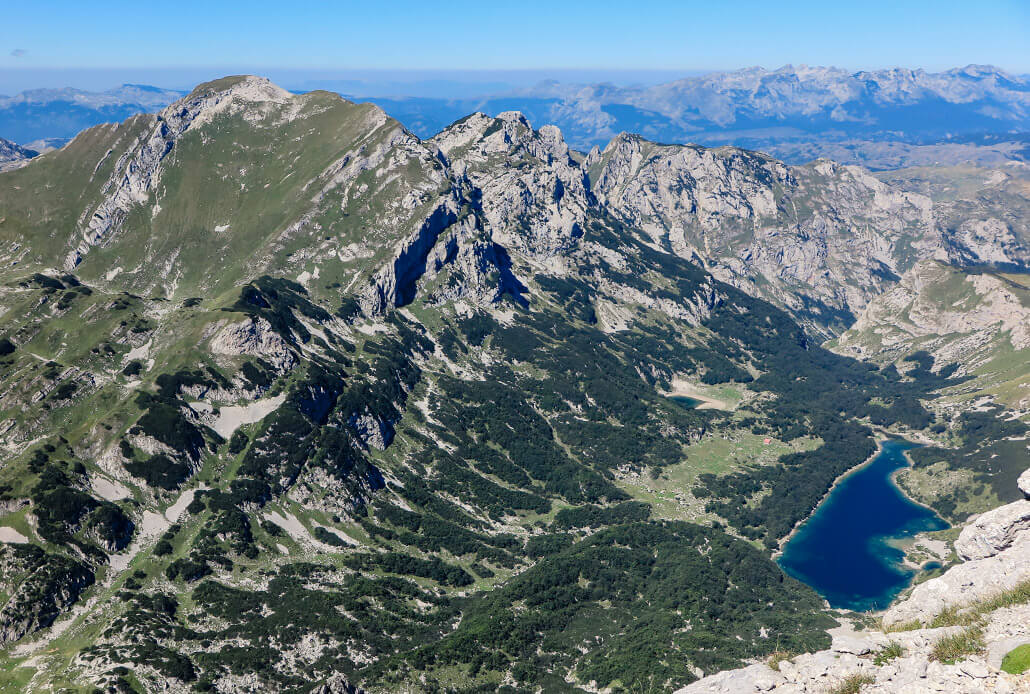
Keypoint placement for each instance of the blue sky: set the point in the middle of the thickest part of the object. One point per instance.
(190, 38)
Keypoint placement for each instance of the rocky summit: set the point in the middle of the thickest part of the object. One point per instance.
(294, 400)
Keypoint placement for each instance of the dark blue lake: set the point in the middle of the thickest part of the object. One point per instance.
(842, 550)
(689, 403)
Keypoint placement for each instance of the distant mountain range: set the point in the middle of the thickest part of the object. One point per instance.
(882, 118)
(39, 114)
(782, 112)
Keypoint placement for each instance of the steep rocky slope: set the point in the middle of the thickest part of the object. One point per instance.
(12, 155)
(981, 212)
(819, 240)
(292, 400)
(978, 320)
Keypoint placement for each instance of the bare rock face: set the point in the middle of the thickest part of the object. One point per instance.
(371, 430)
(986, 242)
(818, 240)
(337, 684)
(257, 339)
(979, 304)
(853, 653)
(538, 207)
(994, 531)
(13, 156)
(393, 284)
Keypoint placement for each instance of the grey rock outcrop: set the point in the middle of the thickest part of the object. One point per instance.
(394, 283)
(12, 155)
(371, 430)
(818, 240)
(853, 654)
(980, 305)
(337, 684)
(989, 241)
(994, 531)
(538, 207)
(1024, 483)
(256, 338)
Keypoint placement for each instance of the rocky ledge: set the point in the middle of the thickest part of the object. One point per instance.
(949, 635)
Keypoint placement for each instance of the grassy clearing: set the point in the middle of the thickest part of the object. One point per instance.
(669, 491)
(852, 684)
(1017, 661)
(949, 649)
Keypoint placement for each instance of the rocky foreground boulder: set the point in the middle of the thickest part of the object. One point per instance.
(949, 635)
(994, 531)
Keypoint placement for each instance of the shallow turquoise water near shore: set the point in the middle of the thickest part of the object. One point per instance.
(842, 550)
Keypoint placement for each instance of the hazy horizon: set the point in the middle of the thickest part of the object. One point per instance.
(447, 84)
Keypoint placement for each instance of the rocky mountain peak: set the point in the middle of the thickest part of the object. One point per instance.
(13, 155)
(789, 234)
(243, 87)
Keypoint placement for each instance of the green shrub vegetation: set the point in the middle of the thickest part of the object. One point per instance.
(1017, 661)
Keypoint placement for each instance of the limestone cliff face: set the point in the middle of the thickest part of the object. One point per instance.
(533, 195)
(934, 299)
(986, 241)
(996, 547)
(819, 240)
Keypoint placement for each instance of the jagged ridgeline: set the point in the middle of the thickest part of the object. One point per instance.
(292, 400)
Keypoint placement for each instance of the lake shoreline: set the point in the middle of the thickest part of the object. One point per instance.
(850, 549)
(880, 439)
(683, 389)
(836, 482)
